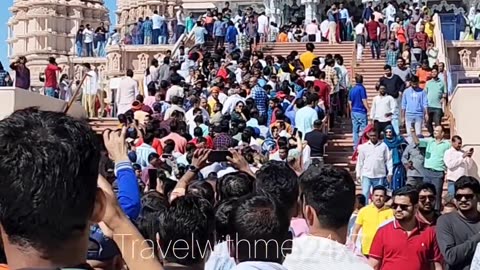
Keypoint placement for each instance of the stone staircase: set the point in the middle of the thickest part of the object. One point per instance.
(340, 146)
(100, 124)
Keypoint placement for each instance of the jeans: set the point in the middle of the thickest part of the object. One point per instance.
(89, 47)
(435, 178)
(162, 40)
(375, 48)
(434, 117)
(415, 120)
(343, 29)
(179, 32)
(156, 34)
(101, 48)
(148, 40)
(50, 91)
(369, 183)
(79, 46)
(359, 123)
(219, 41)
(476, 34)
(451, 188)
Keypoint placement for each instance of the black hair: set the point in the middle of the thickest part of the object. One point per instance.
(361, 199)
(427, 186)
(203, 190)
(260, 223)
(234, 184)
(330, 192)
(467, 182)
(223, 218)
(46, 158)
(310, 47)
(409, 192)
(188, 225)
(379, 187)
(277, 180)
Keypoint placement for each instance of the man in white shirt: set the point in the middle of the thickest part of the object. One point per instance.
(344, 17)
(126, 93)
(262, 21)
(383, 107)
(90, 89)
(175, 89)
(88, 40)
(312, 29)
(328, 198)
(458, 162)
(180, 23)
(361, 39)
(232, 100)
(390, 13)
(157, 21)
(199, 32)
(374, 164)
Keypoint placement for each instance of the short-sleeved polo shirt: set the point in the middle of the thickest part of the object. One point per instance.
(434, 153)
(399, 251)
(370, 218)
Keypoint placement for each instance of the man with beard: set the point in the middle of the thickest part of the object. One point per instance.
(458, 232)
(394, 86)
(426, 205)
(405, 243)
(371, 217)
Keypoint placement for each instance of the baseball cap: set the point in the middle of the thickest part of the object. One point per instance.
(100, 247)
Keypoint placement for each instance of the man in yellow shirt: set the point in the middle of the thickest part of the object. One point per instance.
(371, 217)
(429, 27)
(307, 57)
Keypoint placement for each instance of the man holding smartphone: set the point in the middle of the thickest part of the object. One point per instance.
(458, 162)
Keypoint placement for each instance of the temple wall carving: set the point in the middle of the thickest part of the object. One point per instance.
(464, 58)
(43, 28)
(136, 58)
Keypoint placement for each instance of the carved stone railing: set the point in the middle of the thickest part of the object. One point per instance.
(134, 57)
(464, 57)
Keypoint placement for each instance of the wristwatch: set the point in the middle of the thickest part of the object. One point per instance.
(193, 168)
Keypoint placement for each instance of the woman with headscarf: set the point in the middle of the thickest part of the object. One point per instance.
(396, 144)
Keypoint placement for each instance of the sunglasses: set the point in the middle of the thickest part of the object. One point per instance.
(403, 207)
(467, 197)
(423, 198)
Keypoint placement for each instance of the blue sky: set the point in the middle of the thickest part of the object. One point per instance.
(5, 15)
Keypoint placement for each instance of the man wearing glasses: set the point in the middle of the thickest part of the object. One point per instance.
(426, 204)
(405, 243)
(458, 232)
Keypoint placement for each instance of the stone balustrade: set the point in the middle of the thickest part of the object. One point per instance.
(464, 58)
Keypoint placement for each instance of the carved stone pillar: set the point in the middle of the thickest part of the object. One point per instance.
(309, 10)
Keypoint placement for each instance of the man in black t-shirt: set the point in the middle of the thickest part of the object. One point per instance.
(394, 86)
(316, 140)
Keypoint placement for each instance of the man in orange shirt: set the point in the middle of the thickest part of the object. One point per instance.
(282, 37)
(423, 74)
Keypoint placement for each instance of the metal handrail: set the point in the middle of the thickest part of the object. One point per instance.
(184, 37)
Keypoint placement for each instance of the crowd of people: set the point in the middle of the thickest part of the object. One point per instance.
(218, 162)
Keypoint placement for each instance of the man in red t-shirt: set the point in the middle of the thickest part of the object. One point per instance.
(323, 88)
(373, 30)
(51, 77)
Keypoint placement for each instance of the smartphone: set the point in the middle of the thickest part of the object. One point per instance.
(218, 156)
(166, 156)
(295, 132)
(412, 125)
(152, 179)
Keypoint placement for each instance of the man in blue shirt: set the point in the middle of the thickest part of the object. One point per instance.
(219, 29)
(359, 108)
(414, 106)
